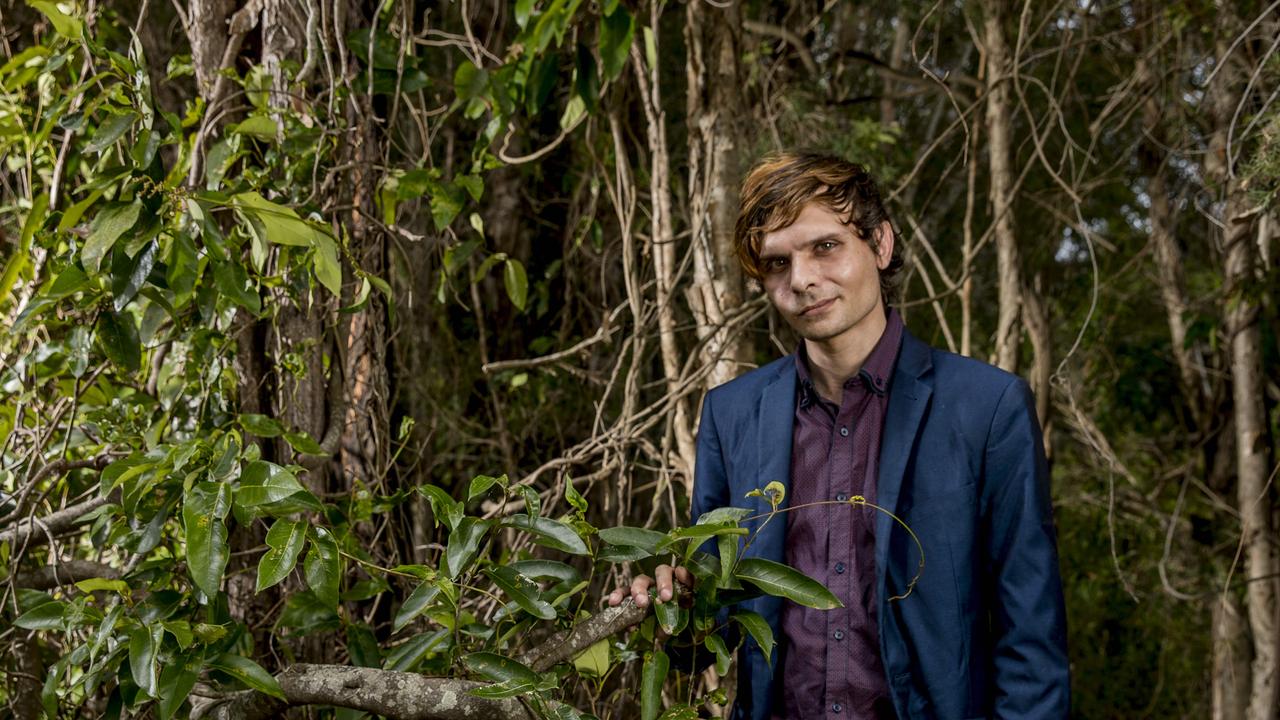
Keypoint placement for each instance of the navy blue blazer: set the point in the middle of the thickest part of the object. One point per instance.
(982, 633)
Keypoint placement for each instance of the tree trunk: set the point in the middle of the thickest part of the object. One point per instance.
(1230, 661)
(713, 40)
(999, 122)
(1242, 326)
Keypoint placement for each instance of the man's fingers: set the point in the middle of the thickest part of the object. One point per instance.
(684, 577)
(665, 591)
(640, 590)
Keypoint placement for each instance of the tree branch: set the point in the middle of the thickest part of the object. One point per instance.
(35, 531)
(409, 696)
(389, 693)
(64, 573)
(567, 643)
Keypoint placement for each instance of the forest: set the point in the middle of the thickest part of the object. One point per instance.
(353, 351)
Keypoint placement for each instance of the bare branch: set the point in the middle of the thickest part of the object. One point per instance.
(64, 573)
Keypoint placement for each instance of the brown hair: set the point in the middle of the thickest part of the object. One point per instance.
(781, 184)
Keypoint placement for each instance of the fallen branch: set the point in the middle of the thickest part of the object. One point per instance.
(64, 573)
(391, 694)
(409, 696)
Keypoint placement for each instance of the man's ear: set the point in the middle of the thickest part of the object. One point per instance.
(884, 244)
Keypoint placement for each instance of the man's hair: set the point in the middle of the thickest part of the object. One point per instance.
(781, 184)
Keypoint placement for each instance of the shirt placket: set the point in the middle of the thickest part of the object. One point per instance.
(841, 471)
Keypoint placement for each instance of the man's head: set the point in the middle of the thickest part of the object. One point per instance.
(781, 184)
(814, 231)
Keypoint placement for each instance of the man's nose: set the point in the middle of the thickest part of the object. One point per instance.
(804, 274)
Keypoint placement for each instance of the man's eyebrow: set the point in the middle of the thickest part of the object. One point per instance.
(826, 237)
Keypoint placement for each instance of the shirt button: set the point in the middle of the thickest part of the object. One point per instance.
(841, 497)
(839, 568)
(839, 634)
(836, 707)
(844, 432)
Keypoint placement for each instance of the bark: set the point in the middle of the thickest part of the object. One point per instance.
(1230, 661)
(1241, 320)
(713, 38)
(208, 35)
(37, 531)
(387, 693)
(1039, 331)
(663, 249)
(66, 572)
(999, 125)
(410, 696)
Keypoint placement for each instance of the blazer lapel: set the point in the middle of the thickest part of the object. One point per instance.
(775, 416)
(909, 396)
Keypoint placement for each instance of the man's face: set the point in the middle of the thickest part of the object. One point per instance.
(823, 278)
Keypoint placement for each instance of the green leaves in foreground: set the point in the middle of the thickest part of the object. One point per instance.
(206, 505)
(248, 672)
(778, 579)
(652, 678)
(523, 592)
(284, 540)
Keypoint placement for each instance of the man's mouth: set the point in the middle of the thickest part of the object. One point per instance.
(816, 307)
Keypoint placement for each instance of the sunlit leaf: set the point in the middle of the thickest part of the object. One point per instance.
(778, 579)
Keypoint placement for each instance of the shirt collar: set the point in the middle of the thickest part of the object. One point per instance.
(876, 370)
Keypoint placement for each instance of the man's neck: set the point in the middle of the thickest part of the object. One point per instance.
(835, 360)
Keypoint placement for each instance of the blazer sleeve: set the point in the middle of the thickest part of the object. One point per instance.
(1028, 614)
(710, 476)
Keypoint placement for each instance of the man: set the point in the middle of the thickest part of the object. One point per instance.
(949, 445)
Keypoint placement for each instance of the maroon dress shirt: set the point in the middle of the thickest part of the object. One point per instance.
(831, 665)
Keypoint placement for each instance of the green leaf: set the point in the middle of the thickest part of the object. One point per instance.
(778, 579)
(181, 632)
(464, 544)
(724, 515)
(176, 683)
(414, 605)
(248, 672)
(63, 24)
(469, 81)
(728, 547)
(108, 225)
(498, 668)
(524, 8)
(549, 533)
(233, 281)
(517, 285)
(282, 225)
(586, 79)
(285, 540)
(204, 507)
(520, 590)
(303, 443)
(594, 660)
(328, 269)
(759, 630)
(110, 131)
(542, 81)
(680, 712)
(667, 613)
(144, 642)
(446, 202)
(262, 483)
(18, 261)
(547, 570)
(257, 126)
(92, 584)
(615, 41)
(444, 508)
(323, 567)
(45, 616)
(480, 485)
(652, 678)
(715, 644)
(642, 538)
(406, 655)
(134, 273)
(261, 425)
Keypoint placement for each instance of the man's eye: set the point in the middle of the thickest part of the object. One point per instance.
(827, 245)
(774, 264)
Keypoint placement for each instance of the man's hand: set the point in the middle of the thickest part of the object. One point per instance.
(639, 589)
